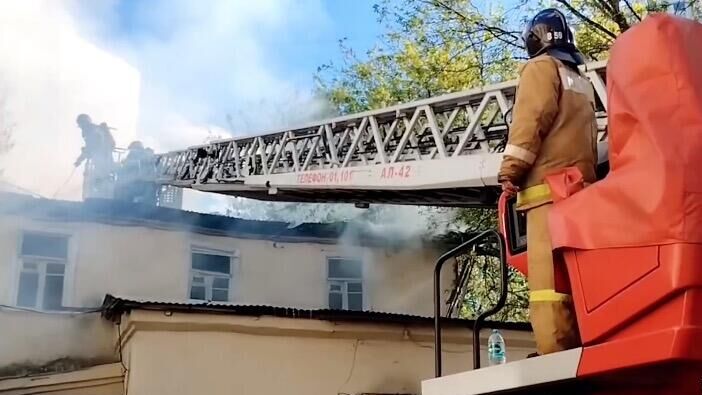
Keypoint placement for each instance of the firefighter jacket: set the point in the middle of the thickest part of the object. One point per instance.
(553, 124)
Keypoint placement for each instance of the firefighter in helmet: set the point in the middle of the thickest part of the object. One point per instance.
(553, 127)
(136, 175)
(99, 145)
(99, 142)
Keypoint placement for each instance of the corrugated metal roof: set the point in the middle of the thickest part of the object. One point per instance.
(114, 306)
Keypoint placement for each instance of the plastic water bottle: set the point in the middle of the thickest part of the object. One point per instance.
(496, 349)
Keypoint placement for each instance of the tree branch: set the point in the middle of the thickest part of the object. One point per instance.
(689, 5)
(496, 31)
(618, 17)
(587, 20)
(633, 11)
(605, 7)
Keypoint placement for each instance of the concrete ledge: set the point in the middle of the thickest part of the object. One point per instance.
(550, 368)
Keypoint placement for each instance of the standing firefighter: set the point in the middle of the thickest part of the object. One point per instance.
(553, 127)
(99, 145)
(136, 175)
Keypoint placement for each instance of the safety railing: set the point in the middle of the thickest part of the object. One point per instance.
(483, 316)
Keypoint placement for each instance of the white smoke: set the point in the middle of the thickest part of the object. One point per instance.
(50, 74)
(201, 61)
(169, 83)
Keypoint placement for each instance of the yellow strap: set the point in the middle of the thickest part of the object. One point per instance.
(548, 295)
(537, 194)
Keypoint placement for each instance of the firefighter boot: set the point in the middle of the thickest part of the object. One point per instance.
(551, 313)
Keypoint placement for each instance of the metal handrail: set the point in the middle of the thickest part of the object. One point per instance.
(437, 297)
(504, 277)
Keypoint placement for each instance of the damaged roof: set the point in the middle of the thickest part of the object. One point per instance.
(122, 213)
(113, 307)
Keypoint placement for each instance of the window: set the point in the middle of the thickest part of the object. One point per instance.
(345, 278)
(43, 267)
(210, 276)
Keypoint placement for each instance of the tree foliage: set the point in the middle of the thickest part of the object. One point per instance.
(481, 290)
(483, 287)
(421, 56)
(598, 22)
(438, 46)
(433, 47)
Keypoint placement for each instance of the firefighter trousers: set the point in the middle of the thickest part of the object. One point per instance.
(551, 314)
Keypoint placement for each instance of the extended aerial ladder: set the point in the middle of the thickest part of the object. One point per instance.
(630, 244)
(442, 151)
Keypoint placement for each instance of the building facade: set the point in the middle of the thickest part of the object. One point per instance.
(59, 260)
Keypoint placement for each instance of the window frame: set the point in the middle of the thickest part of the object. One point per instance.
(42, 262)
(344, 282)
(209, 276)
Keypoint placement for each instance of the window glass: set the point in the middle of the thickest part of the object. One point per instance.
(197, 292)
(45, 245)
(53, 292)
(211, 263)
(28, 289)
(344, 268)
(355, 301)
(220, 295)
(335, 301)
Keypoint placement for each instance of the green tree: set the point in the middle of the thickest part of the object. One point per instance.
(438, 46)
(596, 22)
(433, 47)
(426, 53)
(419, 57)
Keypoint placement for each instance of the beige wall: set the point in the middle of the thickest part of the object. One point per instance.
(402, 282)
(199, 353)
(98, 380)
(154, 264)
(35, 338)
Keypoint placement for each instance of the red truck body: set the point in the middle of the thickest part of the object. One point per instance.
(629, 247)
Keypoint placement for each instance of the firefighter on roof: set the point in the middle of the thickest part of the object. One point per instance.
(553, 127)
(98, 148)
(136, 174)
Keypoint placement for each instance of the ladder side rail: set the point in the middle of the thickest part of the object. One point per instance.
(456, 124)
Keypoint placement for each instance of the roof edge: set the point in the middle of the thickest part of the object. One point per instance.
(116, 213)
(113, 307)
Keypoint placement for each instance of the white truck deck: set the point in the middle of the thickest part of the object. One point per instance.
(522, 375)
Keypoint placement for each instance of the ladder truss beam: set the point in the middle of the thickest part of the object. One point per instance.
(450, 142)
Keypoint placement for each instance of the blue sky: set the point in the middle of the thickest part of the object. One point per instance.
(253, 60)
(296, 52)
(199, 61)
(165, 72)
(299, 53)
(350, 19)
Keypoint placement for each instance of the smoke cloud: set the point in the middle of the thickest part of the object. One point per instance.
(167, 72)
(164, 72)
(50, 74)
